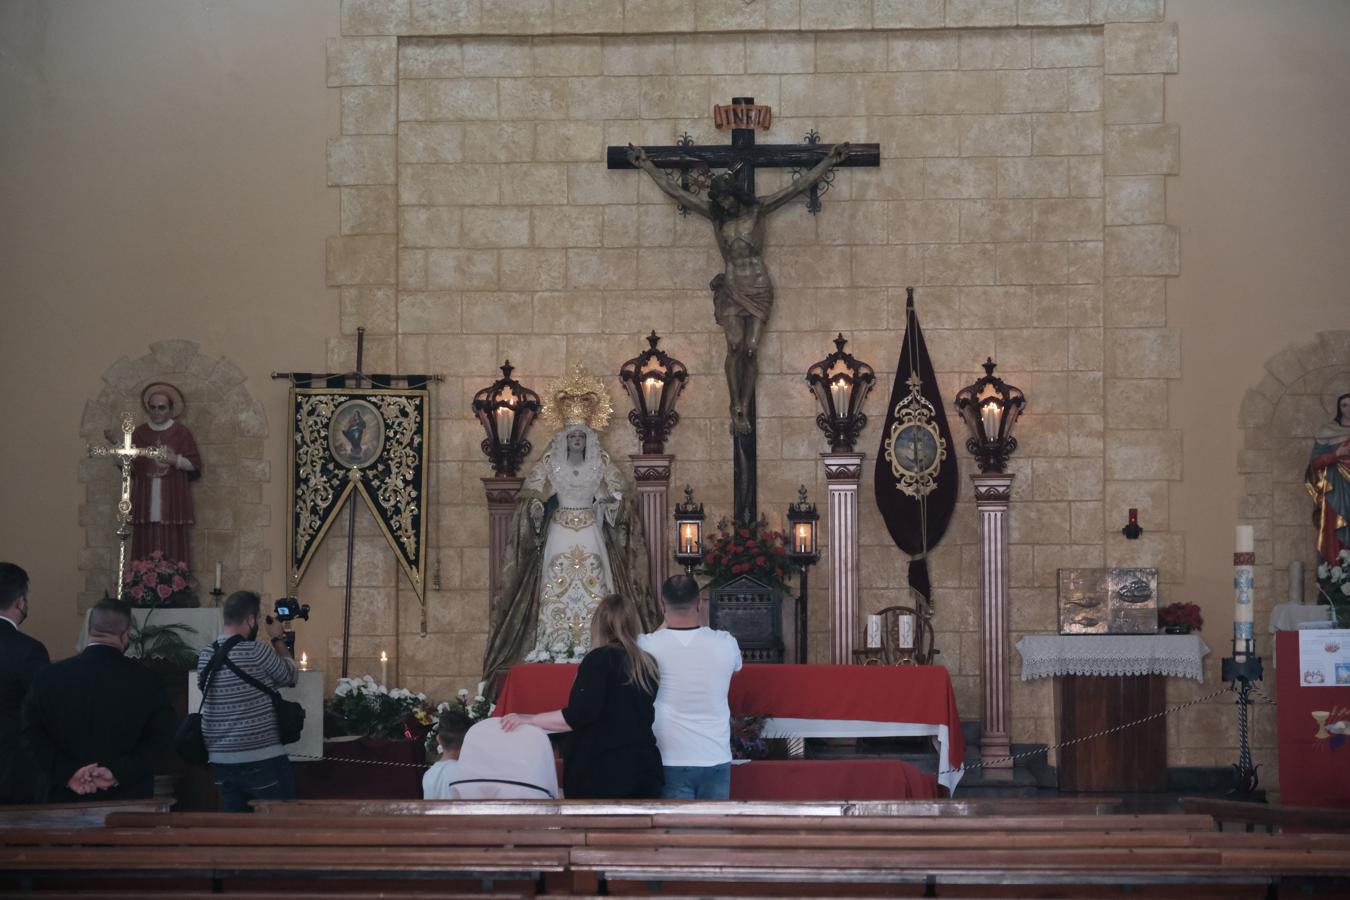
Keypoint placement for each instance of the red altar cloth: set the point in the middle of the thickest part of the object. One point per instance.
(1313, 771)
(920, 695)
(833, 779)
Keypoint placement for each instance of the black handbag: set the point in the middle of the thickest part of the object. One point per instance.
(290, 715)
(188, 741)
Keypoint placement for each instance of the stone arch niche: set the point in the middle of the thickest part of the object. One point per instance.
(1279, 417)
(230, 427)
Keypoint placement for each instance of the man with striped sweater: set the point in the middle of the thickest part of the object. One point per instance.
(238, 721)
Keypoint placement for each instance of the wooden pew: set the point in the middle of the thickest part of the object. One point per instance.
(1269, 816)
(75, 815)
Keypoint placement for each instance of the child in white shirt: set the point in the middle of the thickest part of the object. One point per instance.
(450, 729)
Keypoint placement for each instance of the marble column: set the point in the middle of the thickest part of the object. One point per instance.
(843, 471)
(651, 471)
(992, 493)
(501, 501)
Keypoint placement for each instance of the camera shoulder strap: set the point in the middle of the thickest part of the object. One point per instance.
(249, 679)
(222, 654)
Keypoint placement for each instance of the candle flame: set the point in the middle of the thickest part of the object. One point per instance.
(384, 657)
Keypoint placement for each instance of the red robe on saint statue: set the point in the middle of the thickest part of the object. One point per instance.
(161, 503)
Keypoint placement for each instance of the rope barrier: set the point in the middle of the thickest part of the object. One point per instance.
(1242, 713)
(1088, 737)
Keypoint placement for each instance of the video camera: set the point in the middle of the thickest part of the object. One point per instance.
(288, 609)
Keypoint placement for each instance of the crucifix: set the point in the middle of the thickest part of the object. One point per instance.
(123, 455)
(742, 293)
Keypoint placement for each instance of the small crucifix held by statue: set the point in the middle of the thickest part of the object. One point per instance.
(743, 292)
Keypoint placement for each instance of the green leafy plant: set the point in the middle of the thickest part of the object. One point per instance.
(163, 647)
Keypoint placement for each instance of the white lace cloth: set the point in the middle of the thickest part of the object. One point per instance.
(1174, 655)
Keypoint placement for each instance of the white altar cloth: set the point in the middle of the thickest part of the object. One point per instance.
(1173, 655)
(1293, 616)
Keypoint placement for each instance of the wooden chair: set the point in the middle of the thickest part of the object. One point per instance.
(892, 654)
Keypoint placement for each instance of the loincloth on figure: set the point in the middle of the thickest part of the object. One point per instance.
(732, 301)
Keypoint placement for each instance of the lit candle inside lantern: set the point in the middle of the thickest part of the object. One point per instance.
(989, 413)
(384, 668)
(839, 395)
(506, 418)
(801, 538)
(651, 394)
(688, 537)
(304, 661)
(217, 576)
(1244, 560)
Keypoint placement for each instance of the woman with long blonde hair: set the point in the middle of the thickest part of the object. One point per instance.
(612, 754)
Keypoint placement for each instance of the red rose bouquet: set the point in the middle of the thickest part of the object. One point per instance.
(157, 581)
(1181, 616)
(747, 549)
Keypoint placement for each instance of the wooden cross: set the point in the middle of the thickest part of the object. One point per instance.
(742, 157)
(124, 456)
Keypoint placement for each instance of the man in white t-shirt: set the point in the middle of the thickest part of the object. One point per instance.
(693, 720)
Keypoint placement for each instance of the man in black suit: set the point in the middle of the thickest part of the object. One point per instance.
(97, 723)
(20, 657)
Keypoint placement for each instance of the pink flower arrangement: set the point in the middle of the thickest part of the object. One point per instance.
(157, 581)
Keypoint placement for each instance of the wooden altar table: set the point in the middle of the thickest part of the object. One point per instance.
(803, 701)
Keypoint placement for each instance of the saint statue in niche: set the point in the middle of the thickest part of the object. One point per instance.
(743, 291)
(575, 536)
(161, 502)
(1328, 481)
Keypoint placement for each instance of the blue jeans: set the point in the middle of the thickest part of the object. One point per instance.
(266, 779)
(697, 782)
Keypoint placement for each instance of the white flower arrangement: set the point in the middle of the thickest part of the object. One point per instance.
(1333, 583)
(366, 707)
(558, 653)
(476, 708)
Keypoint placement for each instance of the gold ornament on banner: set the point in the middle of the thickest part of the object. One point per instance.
(579, 398)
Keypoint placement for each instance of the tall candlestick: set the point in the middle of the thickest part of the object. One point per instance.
(1244, 560)
(1296, 581)
(384, 668)
(217, 576)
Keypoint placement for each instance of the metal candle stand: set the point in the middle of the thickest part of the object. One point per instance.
(1243, 669)
(216, 594)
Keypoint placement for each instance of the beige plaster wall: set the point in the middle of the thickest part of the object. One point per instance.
(161, 178)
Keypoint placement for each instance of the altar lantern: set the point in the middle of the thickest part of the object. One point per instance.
(506, 410)
(841, 384)
(990, 409)
(689, 531)
(803, 528)
(653, 380)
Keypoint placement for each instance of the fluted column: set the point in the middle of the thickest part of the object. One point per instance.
(651, 471)
(843, 471)
(992, 493)
(501, 501)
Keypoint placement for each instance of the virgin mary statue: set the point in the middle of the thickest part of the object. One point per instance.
(575, 536)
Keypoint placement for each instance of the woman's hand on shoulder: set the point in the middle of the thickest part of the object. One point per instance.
(512, 721)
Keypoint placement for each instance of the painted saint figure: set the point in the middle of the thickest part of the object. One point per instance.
(161, 501)
(1328, 481)
(743, 292)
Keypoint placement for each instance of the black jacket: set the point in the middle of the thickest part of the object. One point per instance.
(20, 658)
(613, 753)
(97, 707)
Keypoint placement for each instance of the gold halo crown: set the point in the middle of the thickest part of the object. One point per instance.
(578, 398)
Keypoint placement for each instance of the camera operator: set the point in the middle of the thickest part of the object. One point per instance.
(238, 722)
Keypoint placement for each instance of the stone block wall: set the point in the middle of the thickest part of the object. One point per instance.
(1021, 191)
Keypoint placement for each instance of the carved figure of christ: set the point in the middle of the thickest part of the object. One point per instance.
(743, 292)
